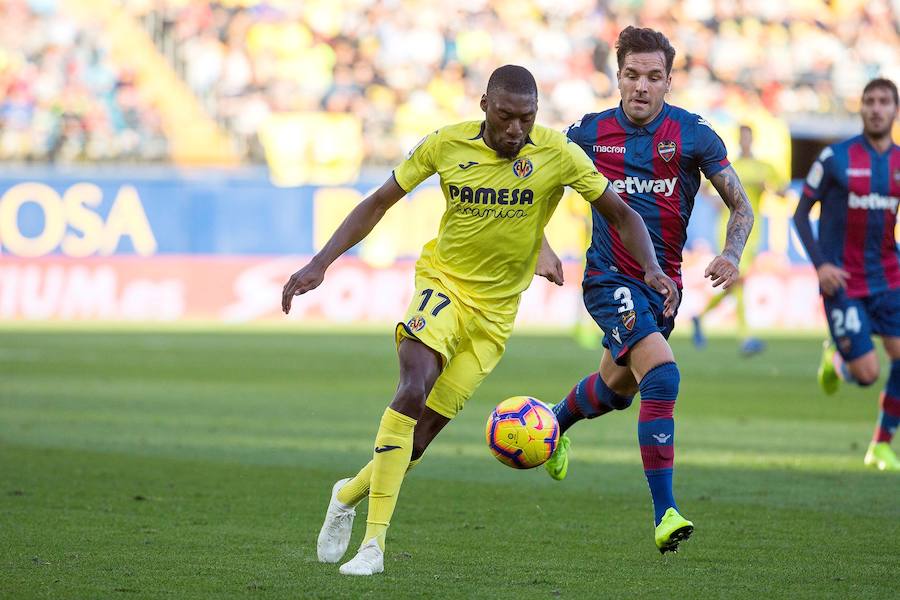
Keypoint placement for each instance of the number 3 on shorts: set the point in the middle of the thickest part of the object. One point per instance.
(845, 321)
(623, 295)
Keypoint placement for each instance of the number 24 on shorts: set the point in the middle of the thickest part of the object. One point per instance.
(845, 322)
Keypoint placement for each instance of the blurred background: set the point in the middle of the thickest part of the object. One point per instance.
(176, 160)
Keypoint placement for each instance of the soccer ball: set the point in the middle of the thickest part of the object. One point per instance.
(522, 432)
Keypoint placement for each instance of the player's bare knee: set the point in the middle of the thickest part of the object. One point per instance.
(865, 370)
(619, 380)
(410, 398)
(866, 376)
(625, 387)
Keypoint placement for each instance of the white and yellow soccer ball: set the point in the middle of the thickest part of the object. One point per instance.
(522, 432)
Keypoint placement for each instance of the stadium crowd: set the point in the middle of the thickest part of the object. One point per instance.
(62, 98)
(403, 67)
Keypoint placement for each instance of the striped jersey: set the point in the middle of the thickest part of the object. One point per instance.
(656, 169)
(859, 190)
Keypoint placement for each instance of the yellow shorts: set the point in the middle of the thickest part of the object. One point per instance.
(470, 344)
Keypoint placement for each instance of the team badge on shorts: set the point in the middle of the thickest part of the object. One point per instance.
(522, 168)
(628, 319)
(416, 324)
(844, 343)
(666, 150)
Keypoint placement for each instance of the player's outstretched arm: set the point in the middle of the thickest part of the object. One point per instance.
(636, 240)
(548, 264)
(831, 277)
(350, 232)
(723, 270)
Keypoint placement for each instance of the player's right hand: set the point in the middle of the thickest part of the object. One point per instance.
(306, 279)
(832, 278)
(665, 286)
(549, 267)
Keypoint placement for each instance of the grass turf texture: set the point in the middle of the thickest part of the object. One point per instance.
(198, 465)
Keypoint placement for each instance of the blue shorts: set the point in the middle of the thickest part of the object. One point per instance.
(852, 321)
(627, 310)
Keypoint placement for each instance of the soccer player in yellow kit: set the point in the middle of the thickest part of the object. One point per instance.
(757, 176)
(501, 178)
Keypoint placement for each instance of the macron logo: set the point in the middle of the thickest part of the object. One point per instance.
(661, 438)
(635, 185)
(873, 202)
(609, 149)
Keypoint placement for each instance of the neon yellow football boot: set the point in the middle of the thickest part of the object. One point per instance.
(558, 463)
(880, 456)
(826, 375)
(672, 530)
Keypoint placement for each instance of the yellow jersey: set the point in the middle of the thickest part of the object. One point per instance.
(496, 208)
(755, 175)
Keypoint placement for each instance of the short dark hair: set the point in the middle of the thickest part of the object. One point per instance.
(513, 79)
(643, 39)
(881, 82)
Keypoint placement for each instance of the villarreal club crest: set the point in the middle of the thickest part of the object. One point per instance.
(522, 168)
(416, 324)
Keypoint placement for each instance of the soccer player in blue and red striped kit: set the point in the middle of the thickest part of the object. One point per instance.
(653, 153)
(857, 260)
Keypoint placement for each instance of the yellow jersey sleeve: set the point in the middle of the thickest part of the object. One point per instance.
(419, 164)
(578, 172)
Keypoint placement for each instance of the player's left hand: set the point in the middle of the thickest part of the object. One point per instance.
(722, 271)
(549, 266)
(665, 286)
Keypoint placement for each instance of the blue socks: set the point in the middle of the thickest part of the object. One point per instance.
(589, 399)
(656, 433)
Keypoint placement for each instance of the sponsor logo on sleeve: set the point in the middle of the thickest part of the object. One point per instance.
(416, 147)
(815, 174)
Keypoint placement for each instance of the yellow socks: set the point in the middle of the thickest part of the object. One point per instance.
(393, 449)
(357, 488)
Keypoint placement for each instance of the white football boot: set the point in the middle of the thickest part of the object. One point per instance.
(368, 561)
(335, 534)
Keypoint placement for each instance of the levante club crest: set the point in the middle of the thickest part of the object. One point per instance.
(522, 168)
(666, 149)
(628, 319)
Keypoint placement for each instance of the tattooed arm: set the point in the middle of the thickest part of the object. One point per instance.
(723, 270)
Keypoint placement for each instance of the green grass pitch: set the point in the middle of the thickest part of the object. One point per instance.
(199, 464)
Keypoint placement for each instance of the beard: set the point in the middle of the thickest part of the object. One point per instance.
(878, 132)
(507, 154)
